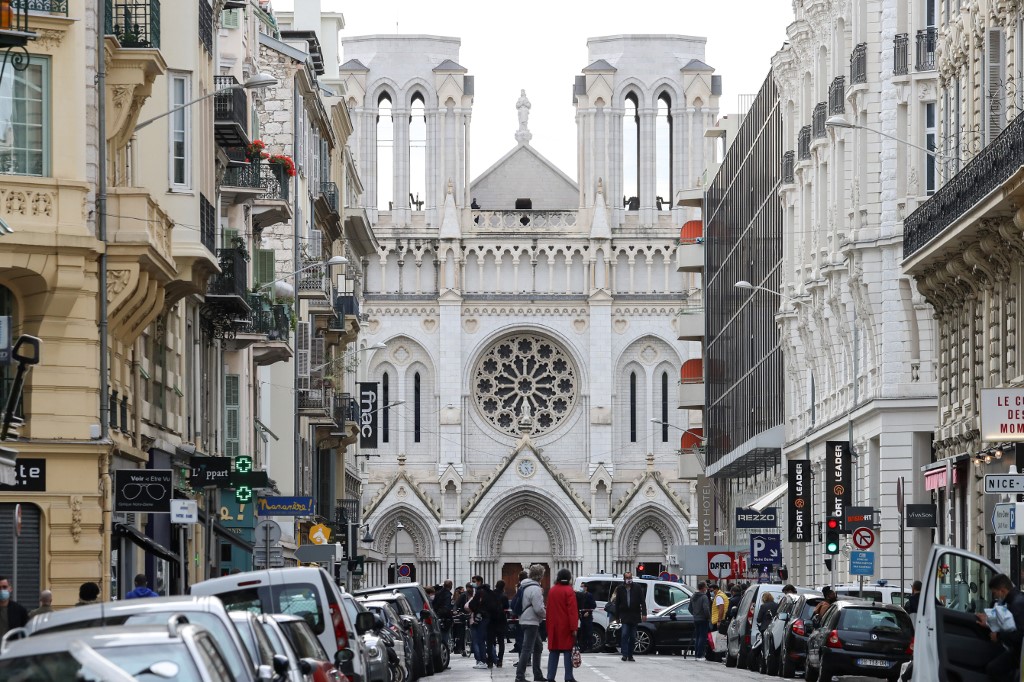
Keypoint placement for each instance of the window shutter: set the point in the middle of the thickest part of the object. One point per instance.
(263, 269)
(231, 415)
(317, 357)
(231, 18)
(302, 354)
(229, 236)
(315, 244)
(996, 100)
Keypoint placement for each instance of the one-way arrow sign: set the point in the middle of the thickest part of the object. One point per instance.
(765, 550)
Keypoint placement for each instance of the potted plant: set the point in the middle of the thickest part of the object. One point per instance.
(256, 151)
(283, 164)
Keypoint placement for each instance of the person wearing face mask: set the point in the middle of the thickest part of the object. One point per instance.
(631, 606)
(12, 614)
(1005, 665)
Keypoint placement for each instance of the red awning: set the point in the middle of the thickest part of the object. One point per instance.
(936, 478)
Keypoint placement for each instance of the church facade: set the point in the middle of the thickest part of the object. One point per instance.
(530, 322)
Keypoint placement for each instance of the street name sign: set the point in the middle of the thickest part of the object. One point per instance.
(1004, 483)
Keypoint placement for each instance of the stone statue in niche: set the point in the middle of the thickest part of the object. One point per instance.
(523, 135)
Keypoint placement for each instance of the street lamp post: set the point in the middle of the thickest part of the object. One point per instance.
(285, 290)
(838, 121)
(260, 80)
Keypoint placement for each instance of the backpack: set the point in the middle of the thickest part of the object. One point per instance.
(517, 602)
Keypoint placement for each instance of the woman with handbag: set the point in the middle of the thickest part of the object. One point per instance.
(562, 625)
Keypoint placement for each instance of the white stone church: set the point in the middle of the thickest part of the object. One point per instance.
(530, 320)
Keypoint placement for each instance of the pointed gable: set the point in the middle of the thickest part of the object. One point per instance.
(696, 65)
(524, 173)
(354, 66)
(398, 491)
(600, 65)
(449, 65)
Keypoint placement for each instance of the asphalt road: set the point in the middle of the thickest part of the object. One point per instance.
(609, 668)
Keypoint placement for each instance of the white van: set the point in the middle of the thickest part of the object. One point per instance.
(661, 594)
(879, 591)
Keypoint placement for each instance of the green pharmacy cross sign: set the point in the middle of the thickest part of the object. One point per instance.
(243, 465)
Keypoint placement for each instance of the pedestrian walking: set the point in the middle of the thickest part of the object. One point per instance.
(141, 590)
(499, 622)
(769, 607)
(562, 624)
(1006, 665)
(442, 605)
(459, 620)
(45, 604)
(631, 607)
(720, 620)
(12, 614)
(533, 614)
(516, 607)
(480, 608)
(585, 600)
(700, 609)
(915, 597)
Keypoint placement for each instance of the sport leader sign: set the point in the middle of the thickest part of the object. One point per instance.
(1002, 414)
(799, 500)
(838, 493)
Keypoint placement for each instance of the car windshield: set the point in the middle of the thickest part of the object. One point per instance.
(303, 640)
(876, 620)
(61, 666)
(218, 628)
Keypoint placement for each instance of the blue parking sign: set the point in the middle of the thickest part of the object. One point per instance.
(765, 549)
(862, 563)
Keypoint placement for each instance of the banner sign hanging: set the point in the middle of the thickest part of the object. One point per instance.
(369, 413)
(799, 500)
(838, 483)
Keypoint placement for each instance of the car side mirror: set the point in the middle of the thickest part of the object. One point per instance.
(306, 666)
(672, 616)
(281, 664)
(364, 622)
(343, 656)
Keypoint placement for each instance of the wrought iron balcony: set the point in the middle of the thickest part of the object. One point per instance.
(804, 143)
(859, 64)
(346, 409)
(927, 41)
(900, 54)
(232, 279)
(230, 113)
(977, 179)
(818, 119)
(206, 26)
(50, 6)
(262, 178)
(271, 320)
(314, 280)
(837, 96)
(346, 305)
(788, 161)
(134, 24)
(316, 399)
(329, 191)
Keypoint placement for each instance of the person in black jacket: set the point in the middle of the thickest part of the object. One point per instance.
(499, 621)
(631, 609)
(1006, 665)
(915, 597)
(12, 614)
(586, 603)
(461, 631)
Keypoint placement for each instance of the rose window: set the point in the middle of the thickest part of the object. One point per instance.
(522, 375)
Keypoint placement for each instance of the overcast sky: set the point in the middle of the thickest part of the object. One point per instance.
(540, 46)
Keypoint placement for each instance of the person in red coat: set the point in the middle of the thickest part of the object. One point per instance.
(562, 623)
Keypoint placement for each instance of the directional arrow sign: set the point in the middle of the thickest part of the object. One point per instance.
(765, 550)
(321, 554)
(1004, 518)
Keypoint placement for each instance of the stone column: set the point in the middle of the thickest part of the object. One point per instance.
(449, 381)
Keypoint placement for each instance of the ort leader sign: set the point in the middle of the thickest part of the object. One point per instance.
(720, 565)
(1002, 414)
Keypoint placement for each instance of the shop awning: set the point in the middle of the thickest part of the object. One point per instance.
(933, 480)
(146, 543)
(761, 503)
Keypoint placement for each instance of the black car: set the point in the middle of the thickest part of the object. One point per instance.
(422, 663)
(417, 597)
(670, 631)
(872, 640)
(794, 609)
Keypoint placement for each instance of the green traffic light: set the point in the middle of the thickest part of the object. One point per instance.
(832, 548)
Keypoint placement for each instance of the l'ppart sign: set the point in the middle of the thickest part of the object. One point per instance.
(1002, 415)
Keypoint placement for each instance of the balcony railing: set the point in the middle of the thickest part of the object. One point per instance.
(230, 113)
(981, 176)
(346, 305)
(804, 143)
(207, 223)
(346, 409)
(314, 399)
(529, 219)
(50, 6)
(859, 64)
(206, 26)
(232, 279)
(837, 96)
(315, 278)
(135, 24)
(261, 176)
(900, 54)
(927, 40)
(329, 191)
(273, 320)
(818, 119)
(788, 161)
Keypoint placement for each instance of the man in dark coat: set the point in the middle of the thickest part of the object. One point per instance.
(915, 597)
(631, 608)
(587, 604)
(1006, 665)
(12, 614)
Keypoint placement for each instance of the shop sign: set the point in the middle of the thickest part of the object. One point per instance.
(369, 410)
(30, 476)
(799, 500)
(838, 483)
(143, 490)
(1002, 415)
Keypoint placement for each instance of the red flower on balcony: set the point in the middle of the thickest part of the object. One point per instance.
(255, 150)
(285, 162)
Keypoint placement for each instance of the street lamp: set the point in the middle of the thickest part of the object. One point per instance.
(285, 290)
(744, 284)
(398, 527)
(655, 420)
(260, 80)
(377, 346)
(838, 121)
(368, 536)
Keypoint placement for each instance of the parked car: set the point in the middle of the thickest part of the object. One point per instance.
(288, 666)
(258, 644)
(307, 647)
(422, 663)
(390, 620)
(670, 631)
(792, 640)
(177, 650)
(948, 644)
(377, 657)
(440, 656)
(660, 594)
(207, 612)
(743, 635)
(872, 640)
(305, 591)
(881, 592)
(765, 657)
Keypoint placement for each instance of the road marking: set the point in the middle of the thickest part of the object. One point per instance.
(597, 672)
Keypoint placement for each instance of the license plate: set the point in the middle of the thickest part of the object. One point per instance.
(873, 663)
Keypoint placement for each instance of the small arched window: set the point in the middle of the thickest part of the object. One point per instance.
(664, 407)
(663, 151)
(632, 407)
(631, 153)
(416, 412)
(385, 154)
(417, 153)
(385, 400)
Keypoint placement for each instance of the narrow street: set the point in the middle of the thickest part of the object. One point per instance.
(609, 668)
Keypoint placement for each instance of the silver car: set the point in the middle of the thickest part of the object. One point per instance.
(177, 651)
(376, 650)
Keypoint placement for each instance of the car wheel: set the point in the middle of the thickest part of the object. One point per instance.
(418, 667)
(644, 641)
(730, 660)
(597, 639)
(787, 668)
(446, 657)
(428, 662)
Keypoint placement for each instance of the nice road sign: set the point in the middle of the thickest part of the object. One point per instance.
(1004, 483)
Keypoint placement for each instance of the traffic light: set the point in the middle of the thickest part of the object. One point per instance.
(832, 536)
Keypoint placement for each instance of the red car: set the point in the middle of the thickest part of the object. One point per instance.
(307, 647)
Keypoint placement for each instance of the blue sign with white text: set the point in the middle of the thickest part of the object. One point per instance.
(765, 550)
(862, 563)
(284, 506)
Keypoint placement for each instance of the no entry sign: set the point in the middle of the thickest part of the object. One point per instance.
(720, 565)
(863, 538)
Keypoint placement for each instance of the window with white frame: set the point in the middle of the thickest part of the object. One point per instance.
(181, 86)
(929, 143)
(25, 119)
